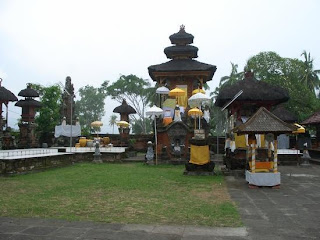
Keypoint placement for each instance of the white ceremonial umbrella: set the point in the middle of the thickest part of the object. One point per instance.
(196, 100)
(155, 112)
(162, 91)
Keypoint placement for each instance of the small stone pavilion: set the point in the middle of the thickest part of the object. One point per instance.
(27, 126)
(6, 96)
(124, 110)
(184, 72)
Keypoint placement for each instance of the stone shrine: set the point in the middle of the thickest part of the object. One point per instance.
(27, 125)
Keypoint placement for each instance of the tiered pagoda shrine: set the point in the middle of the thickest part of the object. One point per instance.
(188, 74)
(27, 126)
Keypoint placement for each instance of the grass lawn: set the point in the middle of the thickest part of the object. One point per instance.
(120, 193)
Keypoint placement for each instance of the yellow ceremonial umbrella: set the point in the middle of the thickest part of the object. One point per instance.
(122, 124)
(96, 124)
(195, 112)
(300, 129)
(177, 92)
(199, 90)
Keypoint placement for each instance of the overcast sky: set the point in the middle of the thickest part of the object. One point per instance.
(44, 41)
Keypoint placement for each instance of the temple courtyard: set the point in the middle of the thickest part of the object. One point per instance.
(291, 212)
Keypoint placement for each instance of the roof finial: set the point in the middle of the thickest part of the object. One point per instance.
(0, 81)
(248, 74)
(182, 27)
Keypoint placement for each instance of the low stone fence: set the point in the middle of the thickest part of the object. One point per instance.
(27, 160)
(23, 153)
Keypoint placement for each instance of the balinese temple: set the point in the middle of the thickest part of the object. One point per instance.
(67, 97)
(124, 110)
(6, 96)
(255, 94)
(27, 126)
(184, 72)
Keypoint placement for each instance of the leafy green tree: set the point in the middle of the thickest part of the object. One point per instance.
(138, 129)
(112, 121)
(286, 73)
(49, 113)
(310, 76)
(90, 107)
(137, 92)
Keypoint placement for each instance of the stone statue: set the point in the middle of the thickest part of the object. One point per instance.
(177, 115)
(97, 154)
(150, 154)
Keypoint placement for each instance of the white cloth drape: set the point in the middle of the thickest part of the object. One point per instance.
(65, 130)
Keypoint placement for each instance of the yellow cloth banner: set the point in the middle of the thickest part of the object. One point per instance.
(240, 141)
(183, 100)
(199, 154)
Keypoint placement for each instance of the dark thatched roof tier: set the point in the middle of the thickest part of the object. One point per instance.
(124, 108)
(28, 92)
(264, 122)
(181, 37)
(314, 119)
(253, 90)
(182, 65)
(284, 114)
(6, 95)
(181, 52)
(28, 102)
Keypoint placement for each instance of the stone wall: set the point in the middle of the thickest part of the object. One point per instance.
(25, 165)
(138, 142)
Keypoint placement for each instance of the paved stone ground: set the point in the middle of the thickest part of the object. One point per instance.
(41, 229)
(291, 212)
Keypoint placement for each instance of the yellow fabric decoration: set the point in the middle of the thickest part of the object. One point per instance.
(240, 141)
(199, 154)
(263, 141)
(183, 100)
(262, 166)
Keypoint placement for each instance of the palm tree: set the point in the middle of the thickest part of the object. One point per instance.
(232, 78)
(310, 76)
(112, 122)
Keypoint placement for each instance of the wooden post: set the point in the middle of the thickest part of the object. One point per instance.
(253, 162)
(269, 151)
(275, 159)
(248, 155)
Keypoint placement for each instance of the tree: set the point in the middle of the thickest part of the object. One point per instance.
(112, 122)
(137, 126)
(137, 92)
(286, 73)
(232, 78)
(90, 107)
(49, 113)
(310, 76)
